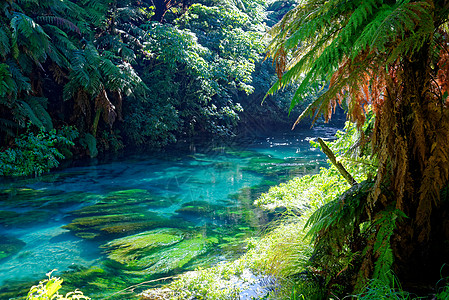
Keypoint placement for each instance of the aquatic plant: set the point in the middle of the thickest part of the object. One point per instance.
(23, 219)
(131, 248)
(101, 226)
(9, 246)
(14, 195)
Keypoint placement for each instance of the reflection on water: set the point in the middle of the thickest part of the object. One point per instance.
(110, 225)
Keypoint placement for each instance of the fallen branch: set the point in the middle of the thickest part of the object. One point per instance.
(336, 163)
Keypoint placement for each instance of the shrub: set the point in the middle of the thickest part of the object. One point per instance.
(47, 289)
(36, 153)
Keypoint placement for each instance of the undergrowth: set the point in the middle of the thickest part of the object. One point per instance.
(34, 153)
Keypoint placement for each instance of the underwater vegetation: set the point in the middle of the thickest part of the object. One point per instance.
(9, 246)
(121, 213)
(142, 235)
(278, 169)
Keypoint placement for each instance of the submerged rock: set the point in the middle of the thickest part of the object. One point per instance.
(16, 195)
(121, 213)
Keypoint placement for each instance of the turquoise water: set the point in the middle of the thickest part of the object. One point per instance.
(194, 205)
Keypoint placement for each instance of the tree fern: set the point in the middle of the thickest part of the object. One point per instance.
(34, 110)
(7, 83)
(29, 34)
(59, 22)
(22, 82)
(391, 55)
(5, 45)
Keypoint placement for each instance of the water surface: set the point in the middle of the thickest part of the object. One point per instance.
(193, 205)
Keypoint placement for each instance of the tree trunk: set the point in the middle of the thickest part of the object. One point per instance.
(412, 144)
(161, 8)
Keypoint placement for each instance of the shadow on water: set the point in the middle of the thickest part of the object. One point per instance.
(115, 223)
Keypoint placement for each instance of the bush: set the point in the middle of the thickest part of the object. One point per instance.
(34, 154)
(47, 289)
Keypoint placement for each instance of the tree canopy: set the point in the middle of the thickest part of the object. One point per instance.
(131, 73)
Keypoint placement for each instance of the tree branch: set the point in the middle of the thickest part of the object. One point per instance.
(336, 163)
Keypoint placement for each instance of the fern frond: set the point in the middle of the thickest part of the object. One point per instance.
(28, 33)
(34, 109)
(7, 127)
(22, 82)
(59, 22)
(5, 44)
(7, 84)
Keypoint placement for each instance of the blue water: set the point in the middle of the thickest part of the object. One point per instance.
(209, 172)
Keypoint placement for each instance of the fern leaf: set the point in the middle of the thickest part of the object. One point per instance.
(60, 22)
(5, 44)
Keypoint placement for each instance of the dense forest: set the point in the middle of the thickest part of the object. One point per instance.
(104, 75)
(83, 77)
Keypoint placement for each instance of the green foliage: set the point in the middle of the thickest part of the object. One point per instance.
(90, 142)
(47, 289)
(378, 289)
(198, 67)
(42, 38)
(36, 153)
(332, 31)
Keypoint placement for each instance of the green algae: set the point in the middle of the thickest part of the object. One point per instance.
(120, 224)
(10, 246)
(15, 219)
(169, 259)
(201, 208)
(130, 248)
(25, 194)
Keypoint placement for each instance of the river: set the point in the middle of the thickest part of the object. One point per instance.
(184, 208)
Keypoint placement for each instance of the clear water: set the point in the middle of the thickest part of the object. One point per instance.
(223, 179)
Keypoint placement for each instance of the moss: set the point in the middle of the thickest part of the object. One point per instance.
(10, 246)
